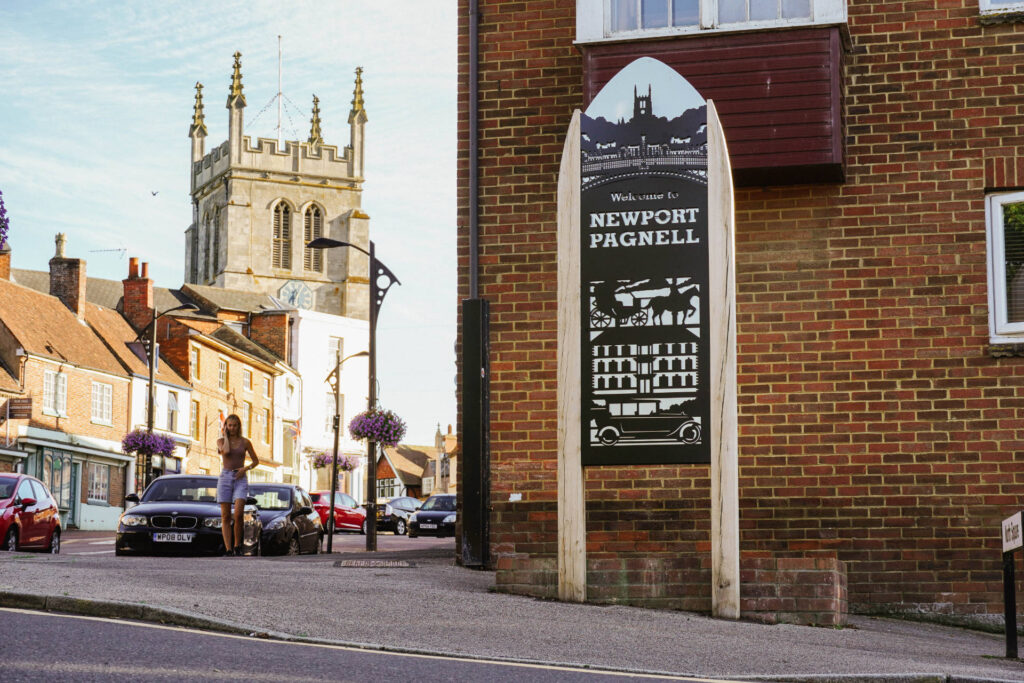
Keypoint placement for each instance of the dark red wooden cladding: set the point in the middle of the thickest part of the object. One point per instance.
(779, 95)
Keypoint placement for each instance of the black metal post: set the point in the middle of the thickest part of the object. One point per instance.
(1010, 605)
(371, 446)
(147, 459)
(334, 459)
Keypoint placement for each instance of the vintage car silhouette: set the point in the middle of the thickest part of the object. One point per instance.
(643, 419)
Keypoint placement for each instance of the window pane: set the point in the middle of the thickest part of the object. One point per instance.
(1013, 255)
(764, 9)
(686, 13)
(624, 15)
(731, 11)
(796, 9)
(655, 13)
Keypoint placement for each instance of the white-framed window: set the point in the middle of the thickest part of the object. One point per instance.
(247, 379)
(598, 20)
(428, 485)
(329, 412)
(1000, 6)
(55, 393)
(99, 483)
(247, 419)
(195, 420)
(266, 387)
(102, 403)
(172, 411)
(1004, 218)
(222, 374)
(266, 425)
(193, 361)
(335, 348)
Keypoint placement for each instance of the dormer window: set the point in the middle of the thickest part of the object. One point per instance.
(313, 227)
(625, 19)
(282, 248)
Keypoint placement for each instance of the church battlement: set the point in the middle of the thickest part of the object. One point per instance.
(257, 203)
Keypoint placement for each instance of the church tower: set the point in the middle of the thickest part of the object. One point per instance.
(255, 206)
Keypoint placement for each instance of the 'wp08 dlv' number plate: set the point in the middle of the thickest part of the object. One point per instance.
(173, 537)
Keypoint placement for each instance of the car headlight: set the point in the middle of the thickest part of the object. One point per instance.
(212, 522)
(278, 523)
(134, 520)
(450, 519)
(412, 517)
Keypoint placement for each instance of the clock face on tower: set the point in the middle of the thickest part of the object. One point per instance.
(296, 293)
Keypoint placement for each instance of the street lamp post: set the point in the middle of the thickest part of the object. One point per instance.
(381, 279)
(337, 430)
(151, 356)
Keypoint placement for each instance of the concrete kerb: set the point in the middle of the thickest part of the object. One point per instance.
(172, 617)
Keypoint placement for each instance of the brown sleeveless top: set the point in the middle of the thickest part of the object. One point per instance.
(234, 459)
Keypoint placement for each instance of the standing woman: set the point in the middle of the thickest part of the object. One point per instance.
(233, 485)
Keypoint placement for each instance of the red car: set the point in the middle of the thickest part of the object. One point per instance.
(29, 517)
(348, 514)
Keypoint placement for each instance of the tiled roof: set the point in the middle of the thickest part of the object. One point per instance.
(221, 299)
(45, 327)
(116, 333)
(229, 336)
(106, 293)
(409, 462)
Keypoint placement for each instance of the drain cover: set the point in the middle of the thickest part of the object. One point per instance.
(375, 564)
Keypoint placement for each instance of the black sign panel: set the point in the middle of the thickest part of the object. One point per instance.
(644, 272)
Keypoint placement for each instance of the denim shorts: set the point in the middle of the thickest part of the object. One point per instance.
(230, 489)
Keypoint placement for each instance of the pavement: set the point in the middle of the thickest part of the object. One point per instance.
(411, 596)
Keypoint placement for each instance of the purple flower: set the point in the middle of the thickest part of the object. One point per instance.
(382, 426)
(5, 222)
(346, 463)
(141, 442)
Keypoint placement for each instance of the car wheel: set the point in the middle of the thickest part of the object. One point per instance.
(400, 527)
(319, 542)
(293, 545)
(411, 534)
(55, 542)
(258, 550)
(362, 529)
(11, 540)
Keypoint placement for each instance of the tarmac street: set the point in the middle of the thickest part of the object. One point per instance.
(411, 596)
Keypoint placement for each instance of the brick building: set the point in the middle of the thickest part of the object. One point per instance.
(875, 154)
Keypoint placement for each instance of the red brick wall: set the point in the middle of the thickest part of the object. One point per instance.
(271, 331)
(873, 419)
(79, 401)
(67, 283)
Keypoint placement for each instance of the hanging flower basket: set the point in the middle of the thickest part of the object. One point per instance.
(141, 442)
(322, 459)
(382, 426)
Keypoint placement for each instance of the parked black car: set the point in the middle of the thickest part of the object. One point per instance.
(393, 514)
(178, 514)
(435, 518)
(290, 524)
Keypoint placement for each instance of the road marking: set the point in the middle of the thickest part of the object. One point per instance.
(93, 552)
(372, 650)
(103, 542)
(59, 670)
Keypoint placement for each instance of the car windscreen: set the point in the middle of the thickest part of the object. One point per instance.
(271, 497)
(186, 490)
(439, 504)
(7, 488)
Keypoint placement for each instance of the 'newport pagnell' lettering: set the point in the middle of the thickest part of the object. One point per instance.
(643, 218)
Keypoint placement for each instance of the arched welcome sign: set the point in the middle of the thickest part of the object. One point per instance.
(647, 306)
(644, 271)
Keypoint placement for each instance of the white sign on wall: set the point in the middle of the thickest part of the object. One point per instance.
(1012, 538)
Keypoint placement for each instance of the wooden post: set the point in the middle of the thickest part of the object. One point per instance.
(725, 532)
(572, 531)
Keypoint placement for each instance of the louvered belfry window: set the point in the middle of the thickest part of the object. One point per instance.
(313, 259)
(282, 256)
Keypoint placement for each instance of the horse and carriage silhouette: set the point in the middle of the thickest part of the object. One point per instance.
(645, 303)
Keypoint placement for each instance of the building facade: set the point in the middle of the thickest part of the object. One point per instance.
(256, 205)
(875, 152)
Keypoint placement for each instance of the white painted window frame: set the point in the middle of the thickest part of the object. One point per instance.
(990, 7)
(99, 486)
(593, 21)
(1001, 331)
(102, 403)
(55, 393)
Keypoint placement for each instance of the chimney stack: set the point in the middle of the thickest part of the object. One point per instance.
(67, 279)
(137, 304)
(5, 261)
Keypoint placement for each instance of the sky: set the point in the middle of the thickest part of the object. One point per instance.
(94, 117)
(671, 94)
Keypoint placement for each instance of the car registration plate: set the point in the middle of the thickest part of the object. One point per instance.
(173, 537)
(428, 526)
